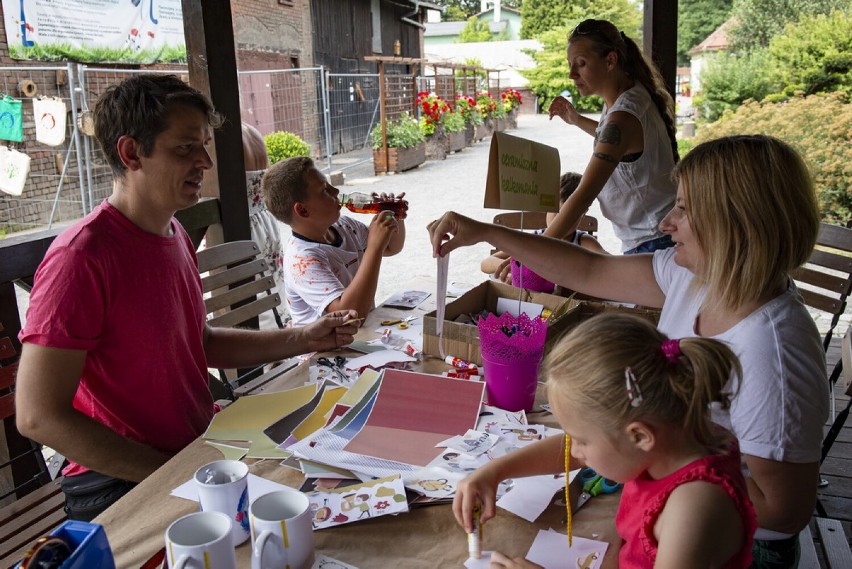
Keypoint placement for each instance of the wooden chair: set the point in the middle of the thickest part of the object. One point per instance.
(533, 220)
(238, 284)
(40, 503)
(825, 281)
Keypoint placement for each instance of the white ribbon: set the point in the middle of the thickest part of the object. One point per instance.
(441, 300)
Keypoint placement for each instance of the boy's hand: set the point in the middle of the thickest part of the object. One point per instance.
(403, 207)
(382, 228)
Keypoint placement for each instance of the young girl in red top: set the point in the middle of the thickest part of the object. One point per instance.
(637, 408)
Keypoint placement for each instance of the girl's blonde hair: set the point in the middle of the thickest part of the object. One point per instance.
(586, 370)
(752, 207)
(254, 149)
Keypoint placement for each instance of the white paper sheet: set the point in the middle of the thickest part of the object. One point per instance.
(441, 301)
(257, 487)
(378, 359)
(550, 550)
(473, 443)
(532, 494)
(326, 562)
(531, 309)
(481, 563)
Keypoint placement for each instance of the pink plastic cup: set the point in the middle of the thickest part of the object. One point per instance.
(511, 386)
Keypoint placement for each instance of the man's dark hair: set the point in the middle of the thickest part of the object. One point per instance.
(139, 107)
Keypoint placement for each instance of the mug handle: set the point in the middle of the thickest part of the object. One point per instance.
(181, 563)
(260, 545)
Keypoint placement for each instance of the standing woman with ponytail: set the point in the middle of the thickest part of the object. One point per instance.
(635, 148)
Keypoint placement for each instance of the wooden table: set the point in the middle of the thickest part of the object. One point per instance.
(426, 537)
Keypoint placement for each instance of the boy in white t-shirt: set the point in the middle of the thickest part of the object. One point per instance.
(331, 262)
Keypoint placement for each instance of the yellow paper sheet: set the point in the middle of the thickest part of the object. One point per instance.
(245, 418)
(317, 419)
(230, 452)
(264, 447)
(357, 391)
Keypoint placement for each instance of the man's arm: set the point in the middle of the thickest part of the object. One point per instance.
(46, 385)
(237, 348)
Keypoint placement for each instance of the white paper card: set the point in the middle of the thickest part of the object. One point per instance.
(550, 550)
(326, 562)
(378, 359)
(257, 487)
(531, 309)
(482, 563)
(531, 495)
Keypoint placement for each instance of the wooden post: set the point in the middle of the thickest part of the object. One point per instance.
(660, 38)
(213, 70)
(382, 94)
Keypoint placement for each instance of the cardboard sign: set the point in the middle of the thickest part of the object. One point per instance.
(522, 175)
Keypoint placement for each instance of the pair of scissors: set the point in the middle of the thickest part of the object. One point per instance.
(594, 485)
(335, 365)
(398, 321)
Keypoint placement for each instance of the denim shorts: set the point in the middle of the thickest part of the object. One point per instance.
(657, 244)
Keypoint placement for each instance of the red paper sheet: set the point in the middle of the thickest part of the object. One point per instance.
(415, 411)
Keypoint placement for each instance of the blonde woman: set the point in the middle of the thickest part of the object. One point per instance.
(745, 216)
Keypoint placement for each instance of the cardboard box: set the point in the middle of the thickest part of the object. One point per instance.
(462, 340)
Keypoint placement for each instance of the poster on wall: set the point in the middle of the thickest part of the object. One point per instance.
(95, 31)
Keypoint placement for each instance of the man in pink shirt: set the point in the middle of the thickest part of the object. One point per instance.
(113, 370)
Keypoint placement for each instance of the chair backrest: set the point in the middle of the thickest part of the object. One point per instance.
(25, 469)
(533, 220)
(825, 281)
(240, 283)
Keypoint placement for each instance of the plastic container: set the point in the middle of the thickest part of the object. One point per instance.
(523, 277)
(511, 386)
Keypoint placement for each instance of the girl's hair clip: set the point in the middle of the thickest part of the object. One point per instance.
(634, 394)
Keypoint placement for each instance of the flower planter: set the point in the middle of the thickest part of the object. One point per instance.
(512, 118)
(456, 141)
(437, 144)
(469, 134)
(399, 159)
(482, 130)
(500, 125)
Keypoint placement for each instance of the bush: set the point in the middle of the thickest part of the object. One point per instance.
(819, 127)
(466, 106)
(281, 145)
(486, 104)
(728, 81)
(453, 122)
(403, 132)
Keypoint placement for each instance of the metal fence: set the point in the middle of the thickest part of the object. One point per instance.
(333, 112)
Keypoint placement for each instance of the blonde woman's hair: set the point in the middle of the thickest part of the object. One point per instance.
(254, 149)
(586, 370)
(751, 204)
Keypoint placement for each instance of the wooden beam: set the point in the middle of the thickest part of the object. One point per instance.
(212, 59)
(660, 38)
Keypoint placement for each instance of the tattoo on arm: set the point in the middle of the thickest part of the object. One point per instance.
(605, 157)
(611, 134)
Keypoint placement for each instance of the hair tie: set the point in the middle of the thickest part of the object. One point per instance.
(671, 349)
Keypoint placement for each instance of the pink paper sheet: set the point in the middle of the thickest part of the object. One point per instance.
(415, 411)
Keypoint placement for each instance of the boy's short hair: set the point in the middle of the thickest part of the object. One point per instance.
(284, 184)
(568, 183)
(139, 107)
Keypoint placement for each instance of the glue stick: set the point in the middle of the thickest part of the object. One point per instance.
(459, 363)
(474, 538)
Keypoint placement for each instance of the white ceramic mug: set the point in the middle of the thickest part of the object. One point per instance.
(201, 540)
(281, 531)
(223, 487)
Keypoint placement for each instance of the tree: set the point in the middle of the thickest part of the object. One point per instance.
(696, 19)
(538, 16)
(461, 10)
(475, 30)
(758, 21)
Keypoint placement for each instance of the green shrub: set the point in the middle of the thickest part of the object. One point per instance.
(819, 127)
(282, 144)
(684, 145)
(403, 132)
(452, 122)
(728, 81)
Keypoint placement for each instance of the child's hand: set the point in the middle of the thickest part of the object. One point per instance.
(500, 560)
(504, 272)
(402, 211)
(382, 228)
(479, 487)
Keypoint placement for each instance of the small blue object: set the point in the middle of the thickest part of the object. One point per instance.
(89, 545)
(595, 484)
